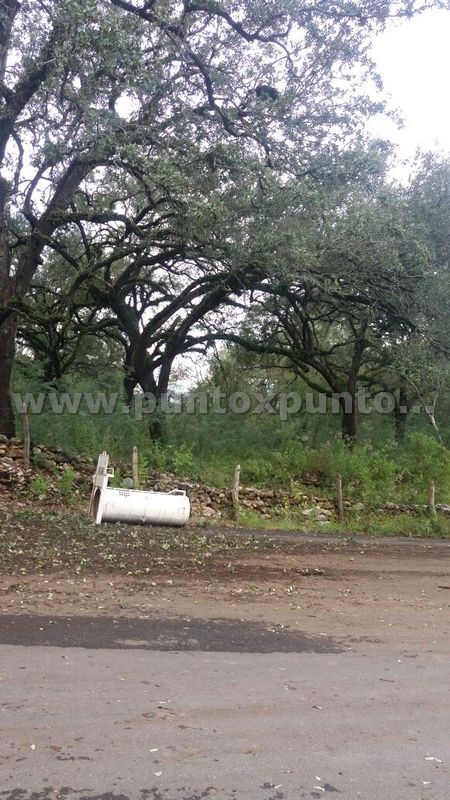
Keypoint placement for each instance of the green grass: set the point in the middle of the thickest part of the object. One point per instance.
(371, 524)
(400, 525)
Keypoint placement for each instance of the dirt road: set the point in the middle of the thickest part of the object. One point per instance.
(268, 675)
(382, 589)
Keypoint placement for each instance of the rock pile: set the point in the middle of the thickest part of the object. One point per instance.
(51, 461)
(51, 458)
(211, 502)
(10, 448)
(12, 473)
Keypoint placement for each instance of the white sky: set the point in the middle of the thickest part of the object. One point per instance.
(413, 58)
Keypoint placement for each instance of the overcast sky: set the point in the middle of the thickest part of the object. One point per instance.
(413, 58)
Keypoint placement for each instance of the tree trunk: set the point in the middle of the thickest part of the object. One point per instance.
(129, 379)
(8, 331)
(401, 412)
(348, 423)
(129, 385)
(157, 427)
(156, 422)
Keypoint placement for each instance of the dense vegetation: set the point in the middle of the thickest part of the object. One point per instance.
(190, 186)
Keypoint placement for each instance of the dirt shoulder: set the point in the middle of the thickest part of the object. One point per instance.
(377, 590)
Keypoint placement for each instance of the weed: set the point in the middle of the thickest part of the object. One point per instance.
(40, 487)
(67, 483)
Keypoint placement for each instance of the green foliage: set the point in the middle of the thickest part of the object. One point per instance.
(366, 472)
(398, 525)
(40, 487)
(181, 459)
(67, 483)
(304, 451)
(159, 457)
(424, 459)
(365, 523)
(117, 479)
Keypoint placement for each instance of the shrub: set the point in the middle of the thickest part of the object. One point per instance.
(366, 472)
(424, 459)
(40, 487)
(67, 483)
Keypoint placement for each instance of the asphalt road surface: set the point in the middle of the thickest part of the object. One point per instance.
(186, 709)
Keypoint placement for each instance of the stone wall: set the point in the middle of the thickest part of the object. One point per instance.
(50, 461)
(12, 473)
(210, 502)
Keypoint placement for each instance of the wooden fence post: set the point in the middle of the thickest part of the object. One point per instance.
(135, 467)
(235, 492)
(432, 499)
(340, 498)
(26, 438)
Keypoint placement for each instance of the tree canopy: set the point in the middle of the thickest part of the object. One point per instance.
(161, 160)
